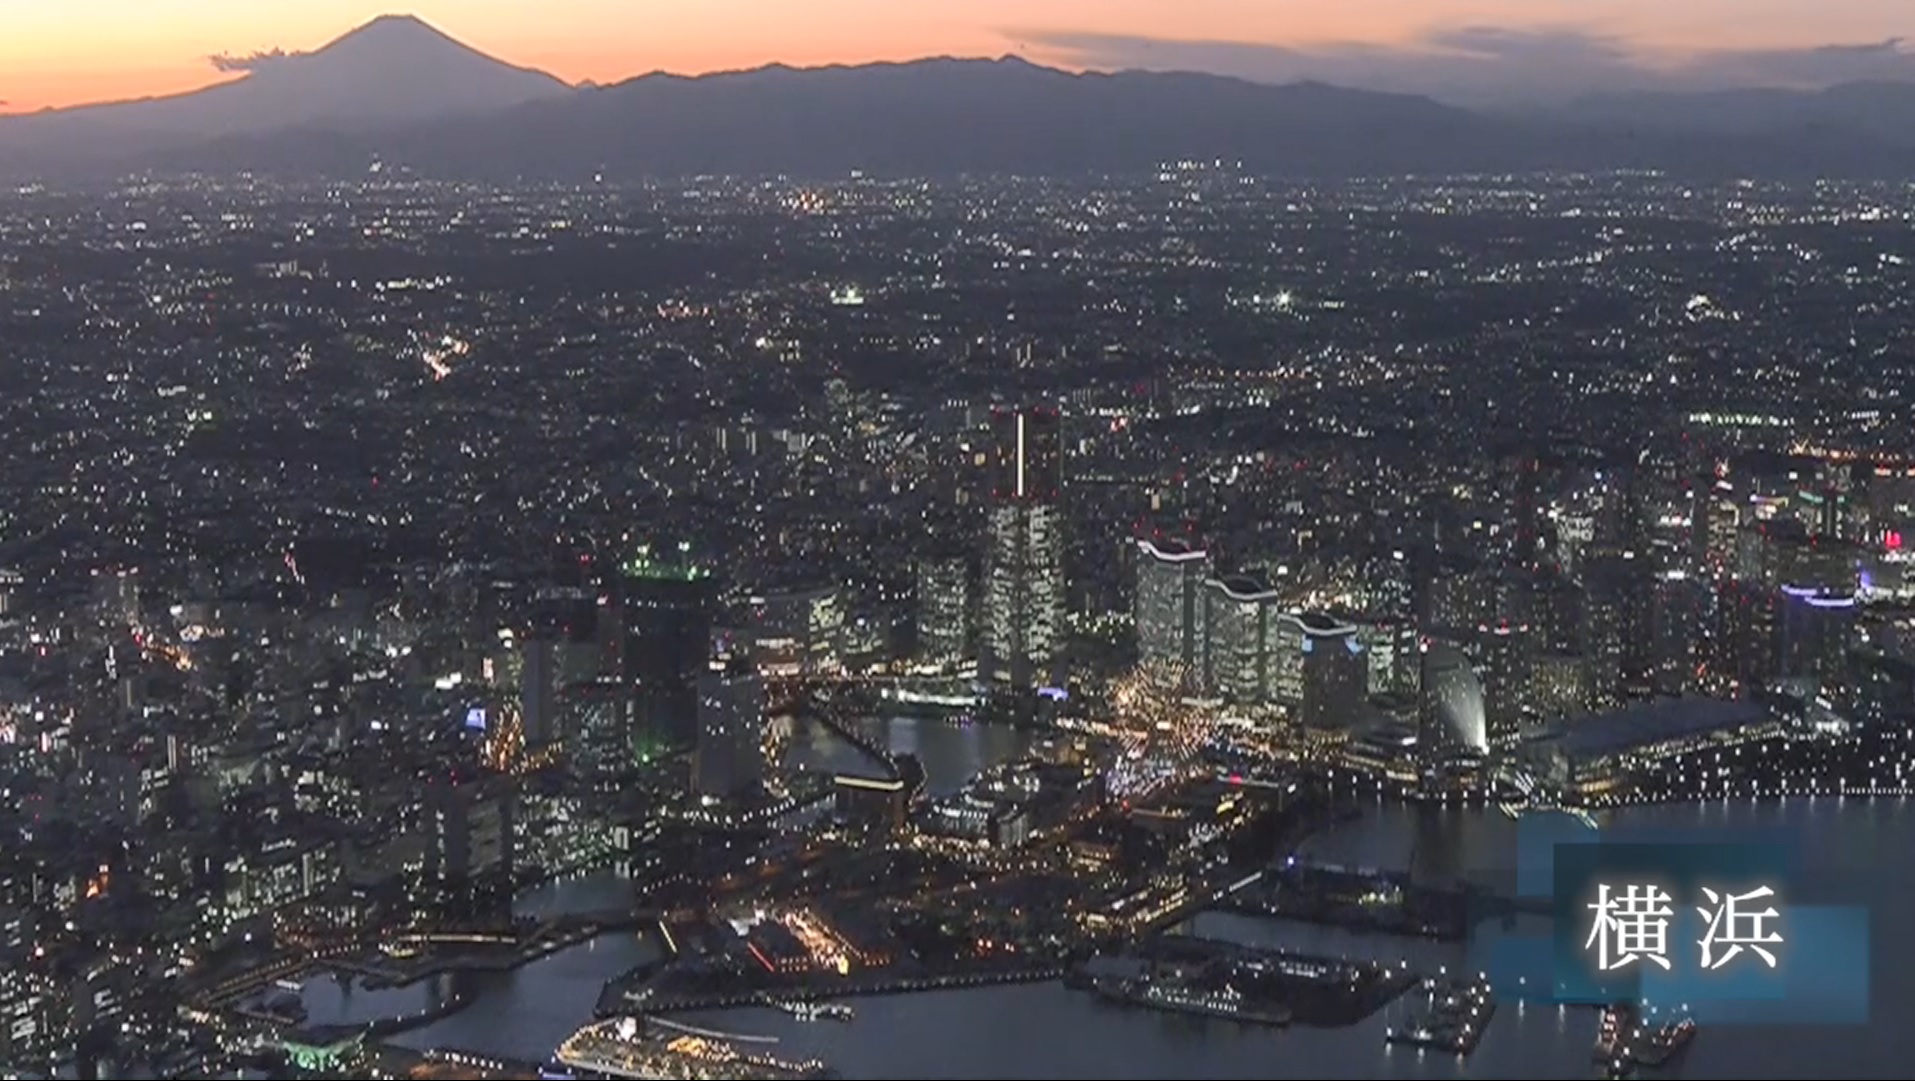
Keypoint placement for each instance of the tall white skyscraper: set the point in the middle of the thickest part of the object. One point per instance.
(1024, 565)
(1170, 604)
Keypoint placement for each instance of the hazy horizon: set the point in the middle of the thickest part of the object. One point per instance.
(1485, 53)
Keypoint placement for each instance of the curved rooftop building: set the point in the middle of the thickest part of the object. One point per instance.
(1334, 673)
(1318, 625)
(1452, 720)
(1237, 612)
(1169, 603)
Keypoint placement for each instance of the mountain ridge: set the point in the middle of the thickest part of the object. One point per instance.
(398, 90)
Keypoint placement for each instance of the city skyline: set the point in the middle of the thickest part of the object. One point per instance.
(1487, 52)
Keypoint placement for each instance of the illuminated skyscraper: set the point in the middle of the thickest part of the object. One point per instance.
(943, 611)
(1170, 604)
(1238, 667)
(1024, 572)
(1505, 665)
(665, 607)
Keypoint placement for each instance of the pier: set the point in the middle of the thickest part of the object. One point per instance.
(618, 1000)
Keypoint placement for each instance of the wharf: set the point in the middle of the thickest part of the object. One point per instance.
(1319, 991)
(1367, 899)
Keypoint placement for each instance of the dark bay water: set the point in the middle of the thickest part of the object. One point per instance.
(1046, 1031)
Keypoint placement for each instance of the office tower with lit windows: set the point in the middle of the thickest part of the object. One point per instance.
(1024, 574)
(1505, 666)
(943, 588)
(1395, 663)
(470, 849)
(728, 759)
(1170, 604)
(1237, 614)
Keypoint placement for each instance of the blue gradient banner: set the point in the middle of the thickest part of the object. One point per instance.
(1820, 946)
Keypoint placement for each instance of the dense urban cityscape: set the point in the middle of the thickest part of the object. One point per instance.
(378, 555)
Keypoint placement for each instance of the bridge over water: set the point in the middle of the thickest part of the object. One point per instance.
(846, 710)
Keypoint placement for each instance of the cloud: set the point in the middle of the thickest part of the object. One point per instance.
(227, 62)
(1488, 65)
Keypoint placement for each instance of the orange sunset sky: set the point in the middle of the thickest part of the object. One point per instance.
(63, 52)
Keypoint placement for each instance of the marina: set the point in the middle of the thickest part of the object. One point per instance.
(1451, 1016)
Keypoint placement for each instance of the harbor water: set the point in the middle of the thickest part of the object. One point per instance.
(1048, 1031)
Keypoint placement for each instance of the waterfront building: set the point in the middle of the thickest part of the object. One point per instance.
(797, 632)
(1559, 686)
(471, 840)
(1678, 615)
(728, 760)
(1617, 613)
(875, 802)
(1603, 759)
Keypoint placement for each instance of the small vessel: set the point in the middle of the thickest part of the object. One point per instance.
(817, 1011)
(290, 985)
(1614, 1032)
